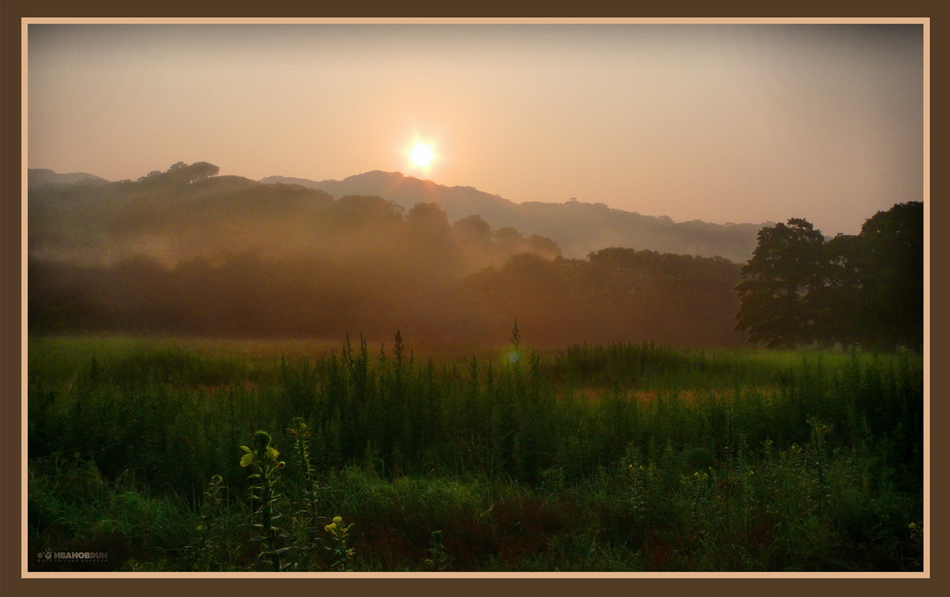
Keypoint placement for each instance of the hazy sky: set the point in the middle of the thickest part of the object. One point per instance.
(723, 123)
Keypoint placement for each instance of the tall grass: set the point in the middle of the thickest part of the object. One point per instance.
(626, 457)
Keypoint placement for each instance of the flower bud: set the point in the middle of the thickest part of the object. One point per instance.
(261, 441)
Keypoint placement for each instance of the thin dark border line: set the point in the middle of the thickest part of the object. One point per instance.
(26, 573)
(930, 6)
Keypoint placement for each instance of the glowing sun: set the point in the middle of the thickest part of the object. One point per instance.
(421, 155)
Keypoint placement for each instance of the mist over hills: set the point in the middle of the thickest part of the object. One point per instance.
(186, 251)
(577, 227)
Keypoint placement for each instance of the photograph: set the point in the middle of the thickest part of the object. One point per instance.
(344, 298)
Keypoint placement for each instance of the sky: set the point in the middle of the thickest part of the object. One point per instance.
(715, 122)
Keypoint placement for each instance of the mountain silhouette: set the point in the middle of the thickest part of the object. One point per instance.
(39, 176)
(577, 227)
(185, 251)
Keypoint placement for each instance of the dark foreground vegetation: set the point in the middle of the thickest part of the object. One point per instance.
(620, 457)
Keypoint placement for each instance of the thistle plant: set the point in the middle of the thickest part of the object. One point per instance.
(339, 547)
(640, 481)
(916, 557)
(439, 559)
(306, 516)
(515, 355)
(819, 433)
(209, 553)
(263, 460)
(300, 432)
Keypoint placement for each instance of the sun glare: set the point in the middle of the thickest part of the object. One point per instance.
(421, 155)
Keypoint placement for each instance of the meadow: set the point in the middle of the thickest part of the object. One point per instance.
(378, 456)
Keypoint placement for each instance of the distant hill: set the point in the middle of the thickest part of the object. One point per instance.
(39, 176)
(407, 191)
(578, 228)
(187, 251)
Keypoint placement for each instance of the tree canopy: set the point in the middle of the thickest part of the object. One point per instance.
(182, 173)
(800, 288)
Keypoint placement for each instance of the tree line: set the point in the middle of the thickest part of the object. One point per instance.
(193, 253)
(615, 295)
(852, 290)
(187, 251)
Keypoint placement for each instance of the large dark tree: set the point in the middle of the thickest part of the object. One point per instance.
(865, 289)
(892, 277)
(782, 296)
(843, 317)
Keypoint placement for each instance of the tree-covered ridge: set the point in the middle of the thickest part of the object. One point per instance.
(867, 289)
(187, 251)
(578, 227)
(188, 211)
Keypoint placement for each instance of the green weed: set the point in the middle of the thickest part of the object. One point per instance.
(624, 457)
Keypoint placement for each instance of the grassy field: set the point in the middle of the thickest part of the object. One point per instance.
(387, 457)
